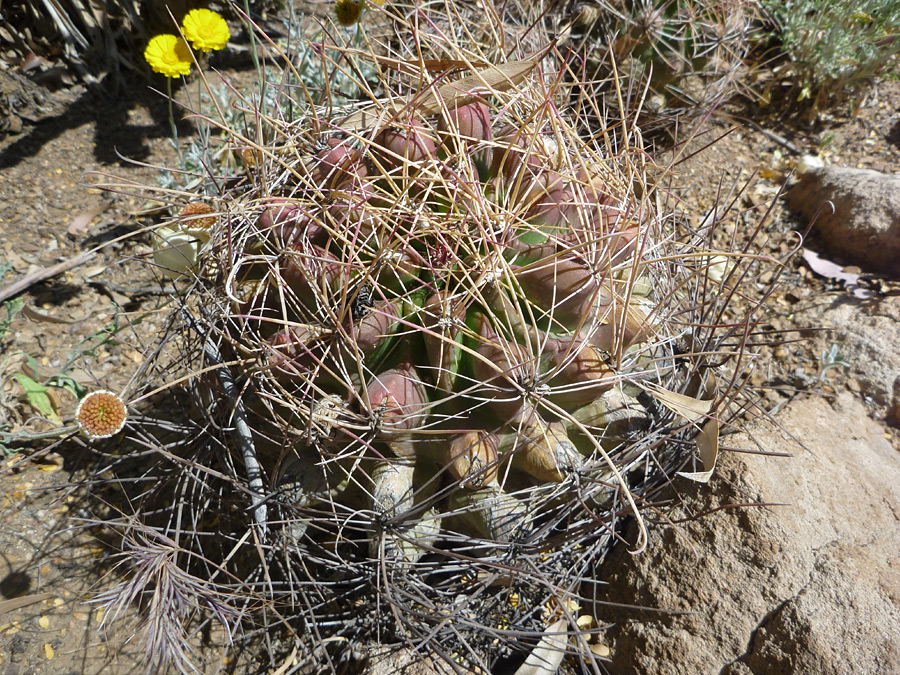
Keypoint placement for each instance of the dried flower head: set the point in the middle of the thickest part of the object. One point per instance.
(198, 216)
(205, 29)
(101, 414)
(169, 55)
(348, 12)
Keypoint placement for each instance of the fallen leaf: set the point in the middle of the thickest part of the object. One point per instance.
(83, 219)
(690, 408)
(830, 270)
(708, 447)
(482, 83)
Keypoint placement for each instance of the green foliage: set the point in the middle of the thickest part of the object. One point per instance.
(834, 45)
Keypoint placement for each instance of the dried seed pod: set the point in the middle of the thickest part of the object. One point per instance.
(542, 449)
(497, 515)
(472, 458)
(101, 414)
(611, 417)
(392, 487)
(407, 543)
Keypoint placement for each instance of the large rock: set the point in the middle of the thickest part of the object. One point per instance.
(865, 224)
(867, 334)
(808, 584)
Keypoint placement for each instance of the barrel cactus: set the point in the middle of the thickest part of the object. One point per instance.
(457, 338)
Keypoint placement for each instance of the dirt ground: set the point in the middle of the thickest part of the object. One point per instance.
(71, 137)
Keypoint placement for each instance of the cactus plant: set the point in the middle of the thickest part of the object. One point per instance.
(693, 54)
(464, 333)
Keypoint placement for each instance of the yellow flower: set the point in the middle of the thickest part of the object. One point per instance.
(205, 29)
(169, 55)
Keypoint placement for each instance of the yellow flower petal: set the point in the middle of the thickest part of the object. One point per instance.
(205, 29)
(169, 55)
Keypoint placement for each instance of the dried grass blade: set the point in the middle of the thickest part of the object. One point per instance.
(549, 652)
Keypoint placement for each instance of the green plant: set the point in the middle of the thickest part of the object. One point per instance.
(691, 53)
(833, 47)
(438, 341)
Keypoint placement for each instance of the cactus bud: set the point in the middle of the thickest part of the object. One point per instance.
(338, 163)
(516, 150)
(467, 129)
(311, 272)
(578, 371)
(503, 367)
(291, 353)
(409, 142)
(472, 458)
(289, 222)
(397, 403)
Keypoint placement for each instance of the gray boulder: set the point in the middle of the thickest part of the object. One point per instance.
(865, 224)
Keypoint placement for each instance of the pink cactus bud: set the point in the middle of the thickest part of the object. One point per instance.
(472, 458)
(289, 221)
(516, 150)
(406, 142)
(503, 366)
(442, 320)
(375, 326)
(573, 298)
(564, 287)
(339, 163)
(465, 129)
(472, 122)
(397, 402)
(311, 272)
(293, 353)
(353, 213)
(543, 198)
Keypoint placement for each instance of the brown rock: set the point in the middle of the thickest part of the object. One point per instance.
(808, 587)
(865, 224)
